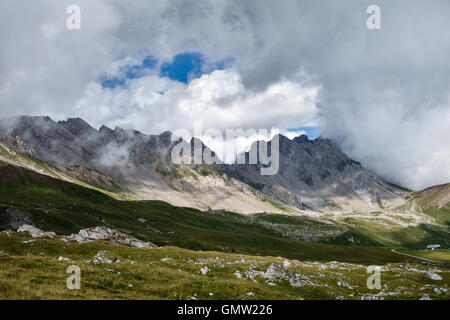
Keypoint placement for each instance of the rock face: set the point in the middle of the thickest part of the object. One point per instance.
(138, 163)
(107, 234)
(74, 142)
(320, 174)
(312, 174)
(284, 196)
(18, 218)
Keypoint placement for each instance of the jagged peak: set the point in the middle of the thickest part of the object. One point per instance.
(104, 128)
(166, 133)
(301, 139)
(75, 122)
(132, 132)
(34, 118)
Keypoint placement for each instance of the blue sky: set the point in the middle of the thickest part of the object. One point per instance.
(129, 72)
(311, 132)
(183, 68)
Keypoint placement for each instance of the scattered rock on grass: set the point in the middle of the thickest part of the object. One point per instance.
(103, 257)
(204, 270)
(63, 259)
(433, 276)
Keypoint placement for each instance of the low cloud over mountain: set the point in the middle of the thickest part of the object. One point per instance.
(382, 95)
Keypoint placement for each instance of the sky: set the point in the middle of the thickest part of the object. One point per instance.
(294, 66)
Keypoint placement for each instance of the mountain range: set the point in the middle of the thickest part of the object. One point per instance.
(314, 175)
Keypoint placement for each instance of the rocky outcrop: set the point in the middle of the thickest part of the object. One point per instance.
(284, 196)
(107, 234)
(103, 257)
(36, 232)
(92, 176)
(90, 235)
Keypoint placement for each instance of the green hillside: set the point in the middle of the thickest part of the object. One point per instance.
(56, 205)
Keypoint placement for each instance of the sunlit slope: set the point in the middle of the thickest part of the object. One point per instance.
(435, 201)
(82, 176)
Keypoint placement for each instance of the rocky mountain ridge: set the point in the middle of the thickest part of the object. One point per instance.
(313, 175)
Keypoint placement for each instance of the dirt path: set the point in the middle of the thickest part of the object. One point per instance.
(410, 255)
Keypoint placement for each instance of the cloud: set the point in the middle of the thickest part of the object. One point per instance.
(382, 95)
(242, 142)
(113, 155)
(218, 100)
(43, 65)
